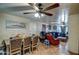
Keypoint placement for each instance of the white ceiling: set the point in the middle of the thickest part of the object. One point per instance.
(19, 8)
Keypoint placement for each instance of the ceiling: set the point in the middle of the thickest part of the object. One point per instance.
(19, 8)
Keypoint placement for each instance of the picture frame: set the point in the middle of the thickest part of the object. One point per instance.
(14, 25)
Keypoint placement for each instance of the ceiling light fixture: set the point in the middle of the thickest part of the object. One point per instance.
(42, 14)
(38, 15)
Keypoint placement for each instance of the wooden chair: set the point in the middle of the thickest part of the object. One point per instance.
(27, 44)
(4, 46)
(15, 46)
(35, 43)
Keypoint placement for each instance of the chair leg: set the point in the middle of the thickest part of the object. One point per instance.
(23, 52)
(20, 52)
(32, 49)
(29, 50)
(37, 48)
(10, 52)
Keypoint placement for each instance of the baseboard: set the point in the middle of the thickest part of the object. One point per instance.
(73, 53)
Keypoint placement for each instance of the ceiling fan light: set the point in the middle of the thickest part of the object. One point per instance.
(42, 15)
(36, 15)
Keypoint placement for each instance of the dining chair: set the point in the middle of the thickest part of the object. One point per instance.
(15, 46)
(35, 43)
(3, 47)
(27, 44)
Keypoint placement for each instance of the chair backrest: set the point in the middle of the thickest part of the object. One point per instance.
(35, 40)
(27, 41)
(4, 45)
(15, 44)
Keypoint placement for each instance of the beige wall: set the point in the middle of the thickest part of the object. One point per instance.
(74, 33)
(31, 27)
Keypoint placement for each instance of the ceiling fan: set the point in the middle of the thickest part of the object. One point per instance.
(39, 9)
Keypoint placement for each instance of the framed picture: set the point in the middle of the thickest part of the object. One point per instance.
(55, 27)
(43, 27)
(49, 27)
(14, 25)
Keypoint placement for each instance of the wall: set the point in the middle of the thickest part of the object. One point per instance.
(31, 27)
(73, 33)
(34, 27)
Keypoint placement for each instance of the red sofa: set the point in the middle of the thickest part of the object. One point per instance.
(52, 40)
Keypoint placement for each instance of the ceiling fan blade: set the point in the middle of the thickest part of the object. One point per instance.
(28, 12)
(34, 6)
(46, 13)
(31, 4)
(52, 7)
